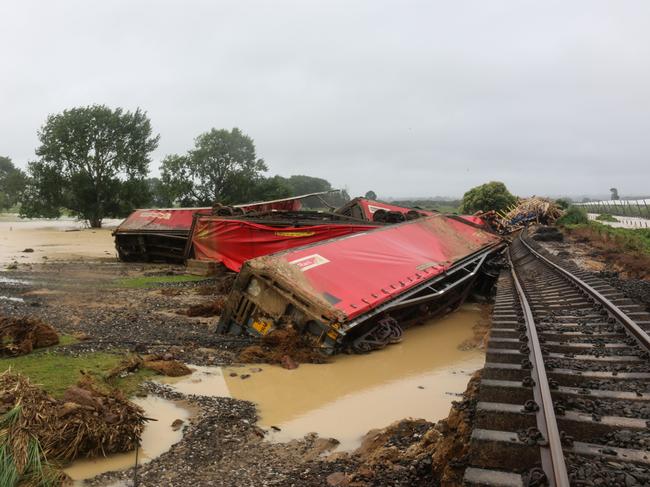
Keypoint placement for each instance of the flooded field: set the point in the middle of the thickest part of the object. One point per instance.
(58, 239)
(418, 378)
(157, 438)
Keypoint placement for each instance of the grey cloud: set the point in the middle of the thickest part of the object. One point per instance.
(407, 98)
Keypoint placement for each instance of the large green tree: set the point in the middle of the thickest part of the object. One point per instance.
(223, 167)
(489, 196)
(92, 162)
(12, 183)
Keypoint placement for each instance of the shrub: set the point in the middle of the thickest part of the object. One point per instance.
(574, 216)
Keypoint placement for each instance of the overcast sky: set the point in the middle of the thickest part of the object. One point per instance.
(403, 97)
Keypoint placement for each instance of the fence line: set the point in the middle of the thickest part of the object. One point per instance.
(632, 208)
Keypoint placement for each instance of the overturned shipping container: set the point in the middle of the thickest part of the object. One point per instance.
(162, 234)
(376, 211)
(232, 241)
(358, 292)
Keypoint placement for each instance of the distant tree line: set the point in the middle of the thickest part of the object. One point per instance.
(93, 162)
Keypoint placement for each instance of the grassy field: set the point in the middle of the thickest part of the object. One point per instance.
(626, 239)
(55, 372)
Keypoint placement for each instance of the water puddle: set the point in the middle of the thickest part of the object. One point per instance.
(13, 282)
(9, 298)
(157, 438)
(418, 378)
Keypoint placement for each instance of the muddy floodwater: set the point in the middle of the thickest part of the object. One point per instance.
(157, 438)
(418, 378)
(57, 239)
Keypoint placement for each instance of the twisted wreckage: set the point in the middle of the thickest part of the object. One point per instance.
(350, 279)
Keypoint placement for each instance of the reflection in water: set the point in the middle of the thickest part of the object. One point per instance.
(418, 377)
(157, 438)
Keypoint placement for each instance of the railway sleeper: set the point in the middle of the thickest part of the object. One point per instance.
(580, 426)
(501, 450)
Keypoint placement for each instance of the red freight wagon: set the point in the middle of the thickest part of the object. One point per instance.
(234, 241)
(359, 291)
(162, 234)
(371, 210)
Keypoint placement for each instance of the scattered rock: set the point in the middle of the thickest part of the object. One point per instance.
(338, 479)
(176, 425)
(28, 251)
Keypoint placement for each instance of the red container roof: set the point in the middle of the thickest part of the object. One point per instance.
(233, 242)
(359, 272)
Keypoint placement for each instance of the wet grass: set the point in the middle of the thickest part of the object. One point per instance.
(624, 239)
(155, 281)
(55, 372)
(606, 217)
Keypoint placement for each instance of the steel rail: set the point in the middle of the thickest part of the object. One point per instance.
(551, 451)
(630, 325)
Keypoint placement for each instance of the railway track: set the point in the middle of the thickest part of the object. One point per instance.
(564, 398)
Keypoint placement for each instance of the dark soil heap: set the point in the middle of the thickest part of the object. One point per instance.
(213, 308)
(283, 346)
(19, 336)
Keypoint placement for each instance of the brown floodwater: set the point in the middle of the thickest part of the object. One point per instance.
(57, 239)
(417, 378)
(157, 438)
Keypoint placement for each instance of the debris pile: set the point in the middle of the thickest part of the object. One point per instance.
(87, 422)
(19, 336)
(162, 364)
(529, 210)
(213, 308)
(283, 346)
(542, 233)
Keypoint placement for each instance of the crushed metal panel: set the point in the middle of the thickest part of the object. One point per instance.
(371, 210)
(341, 288)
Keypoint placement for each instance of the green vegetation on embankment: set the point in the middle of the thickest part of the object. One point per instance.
(55, 372)
(626, 239)
(606, 217)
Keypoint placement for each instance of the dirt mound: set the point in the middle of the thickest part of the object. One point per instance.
(222, 286)
(19, 336)
(164, 365)
(547, 234)
(170, 368)
(397, 455)
(453, 445)
(205, 309)
(283, 346)
(88, 422)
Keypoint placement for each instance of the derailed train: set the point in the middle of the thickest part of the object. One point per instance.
(358, 292)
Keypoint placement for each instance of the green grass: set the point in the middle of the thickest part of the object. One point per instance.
(626, 238)
(574, 216)
(154, 281)
(56, 372)
(606, 217)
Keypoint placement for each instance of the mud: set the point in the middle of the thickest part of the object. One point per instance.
(419, 377)
(213, 308)
(19, 336)
(53, 240)
(283, 346)
(224, 444)
(592, 251)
